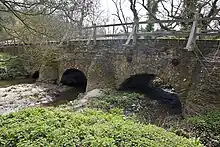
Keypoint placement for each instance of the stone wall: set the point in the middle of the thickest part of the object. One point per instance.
(109, 63)
(198, 88)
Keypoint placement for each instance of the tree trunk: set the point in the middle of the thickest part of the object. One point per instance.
(136, 19)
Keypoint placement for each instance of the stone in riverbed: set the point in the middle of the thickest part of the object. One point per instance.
(44, 102)
(80, 103)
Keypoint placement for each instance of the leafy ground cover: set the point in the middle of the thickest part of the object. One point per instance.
(56, 127)
(206, 127)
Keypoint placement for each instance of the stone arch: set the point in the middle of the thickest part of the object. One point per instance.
(75, 78)
(35, 75)
(137, 82)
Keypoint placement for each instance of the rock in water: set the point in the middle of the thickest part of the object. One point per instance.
(91, 94)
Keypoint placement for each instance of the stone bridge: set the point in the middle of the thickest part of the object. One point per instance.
(108, 63)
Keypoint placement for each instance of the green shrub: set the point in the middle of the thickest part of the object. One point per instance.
(56, 127)
(3, 57)
(13, 67)
(207, 128)
(129, 101)
(209, 122)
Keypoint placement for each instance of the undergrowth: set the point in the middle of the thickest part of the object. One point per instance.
(11, 67)
(206, 127)
(107, 101)
(55, 127)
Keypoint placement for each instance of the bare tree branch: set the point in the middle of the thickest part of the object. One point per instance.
(119, 12)
(152, 15)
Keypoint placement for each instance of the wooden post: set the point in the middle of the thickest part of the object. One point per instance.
(134, 42)
(192, 37)
(130, 36)
(94, 33)
(198, 30)
(89, 40)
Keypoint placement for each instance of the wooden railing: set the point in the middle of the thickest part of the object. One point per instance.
(193, 33)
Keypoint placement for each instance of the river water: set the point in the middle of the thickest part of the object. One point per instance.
(21, 93)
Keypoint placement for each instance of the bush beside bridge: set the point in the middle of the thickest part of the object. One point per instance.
(11, 67)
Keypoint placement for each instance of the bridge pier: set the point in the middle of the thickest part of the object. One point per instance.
(100, 73)
(49, 73)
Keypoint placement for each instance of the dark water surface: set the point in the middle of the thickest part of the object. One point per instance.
(65, 96)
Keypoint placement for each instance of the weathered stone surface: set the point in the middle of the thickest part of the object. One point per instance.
(189, 78)
(49, 73)
(155, 57)
(101, 73)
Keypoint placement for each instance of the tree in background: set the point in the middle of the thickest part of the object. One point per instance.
(172, 9)
(47, 19)
(151, 7)
(120, 15)
(179, 9)
(37, 21)
(5, 19)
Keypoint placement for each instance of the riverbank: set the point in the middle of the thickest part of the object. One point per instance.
(16, 97)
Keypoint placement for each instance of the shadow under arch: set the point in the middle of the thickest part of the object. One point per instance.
(74, 78)
(35, 75)
(143, 83)
(137, 83)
